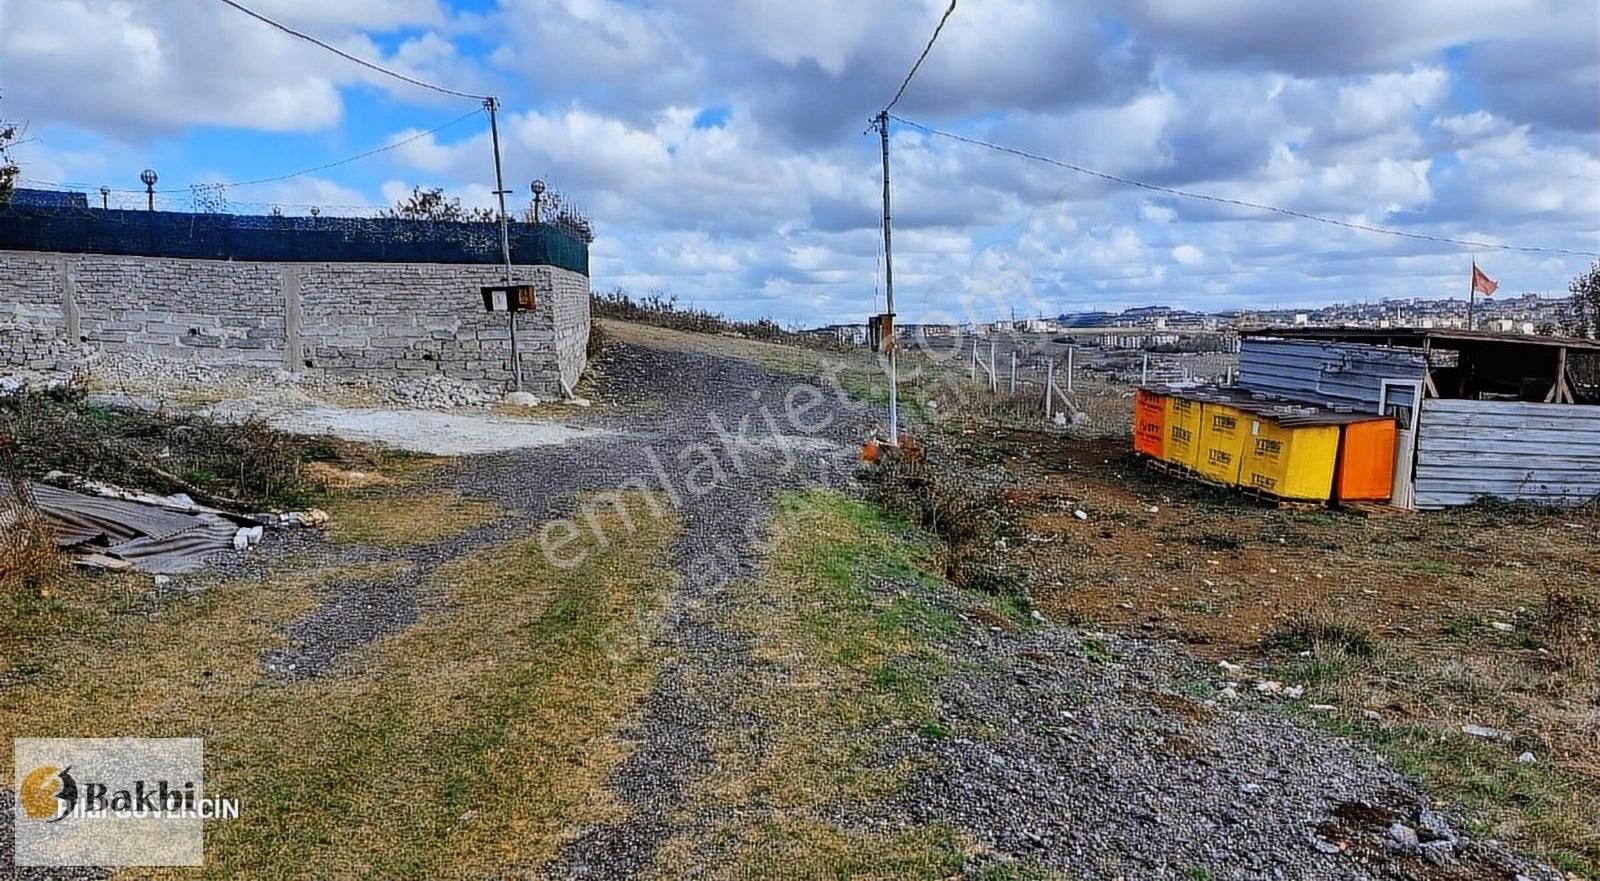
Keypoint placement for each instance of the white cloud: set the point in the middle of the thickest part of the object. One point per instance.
(1350, 108)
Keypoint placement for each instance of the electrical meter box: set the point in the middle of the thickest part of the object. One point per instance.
(509, 298)
(880, 332)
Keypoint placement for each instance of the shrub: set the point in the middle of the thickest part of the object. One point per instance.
(661, 308)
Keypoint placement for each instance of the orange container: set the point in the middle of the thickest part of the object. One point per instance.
(1365, 472)
(1149, 423)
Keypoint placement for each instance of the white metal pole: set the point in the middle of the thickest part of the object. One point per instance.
(994, 378)
(1071, 350)
(1013, 371)
(1144, 372)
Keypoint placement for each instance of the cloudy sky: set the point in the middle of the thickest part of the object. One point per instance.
(720, 147)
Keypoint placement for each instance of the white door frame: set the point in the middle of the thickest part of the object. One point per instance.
(1405, 441)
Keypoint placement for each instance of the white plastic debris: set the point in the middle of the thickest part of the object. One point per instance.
(1484, 732)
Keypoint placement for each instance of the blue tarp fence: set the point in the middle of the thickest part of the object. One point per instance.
(271, 238)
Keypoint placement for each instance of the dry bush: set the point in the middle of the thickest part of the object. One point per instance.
(1571, 627)
(661, 308)
(246, 466)
(29, 559)
(962, 516)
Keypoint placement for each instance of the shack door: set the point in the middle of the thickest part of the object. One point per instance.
(1402, 399)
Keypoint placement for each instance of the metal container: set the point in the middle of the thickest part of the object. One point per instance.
(1150, 423)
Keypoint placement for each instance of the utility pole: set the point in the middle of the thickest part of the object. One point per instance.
(888, 286)
(492, 105)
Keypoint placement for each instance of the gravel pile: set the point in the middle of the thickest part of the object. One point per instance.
(165, 376)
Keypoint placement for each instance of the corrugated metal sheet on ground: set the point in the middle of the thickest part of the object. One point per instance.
(1546, 453)
(1328, 373)
(153, 539)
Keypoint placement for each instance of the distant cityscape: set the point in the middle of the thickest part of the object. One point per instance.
(1524, 314)
(1527, 313)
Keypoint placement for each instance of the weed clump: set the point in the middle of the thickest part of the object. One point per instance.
(1323, 632)
(30, 562)
(661, 308)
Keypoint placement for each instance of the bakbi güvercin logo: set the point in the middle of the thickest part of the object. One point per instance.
(48, 793)
(112, 802)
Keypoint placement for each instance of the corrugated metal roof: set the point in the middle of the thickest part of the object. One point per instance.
(1348, 374)
(1546, 453)
(1415, 336)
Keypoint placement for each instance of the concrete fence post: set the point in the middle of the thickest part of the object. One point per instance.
(293, 348)
(71, 318)
(1071, 351)
(1049, 387)
(1013, 371)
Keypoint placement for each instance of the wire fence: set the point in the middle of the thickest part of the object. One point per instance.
(1087, 390)
(78, 227)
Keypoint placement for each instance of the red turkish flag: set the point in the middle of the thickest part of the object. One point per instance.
(1483, 284)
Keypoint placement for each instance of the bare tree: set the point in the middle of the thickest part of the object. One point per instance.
(1583, 318)
(432, 204)
(8, 168)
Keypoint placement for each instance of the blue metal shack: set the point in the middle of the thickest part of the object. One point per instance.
(1506, 416)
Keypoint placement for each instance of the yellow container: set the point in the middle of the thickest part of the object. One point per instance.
(1223, 430)
(1183, 432)
(1290, 462)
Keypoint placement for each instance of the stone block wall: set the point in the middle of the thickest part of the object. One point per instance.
(404, 318)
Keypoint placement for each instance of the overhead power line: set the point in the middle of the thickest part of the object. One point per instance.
(920, 58)
(359, 156)
(1239, 203)
(443, 90)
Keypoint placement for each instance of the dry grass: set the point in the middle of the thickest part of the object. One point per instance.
(387, 520)
(476, 740)
(1570, 624)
